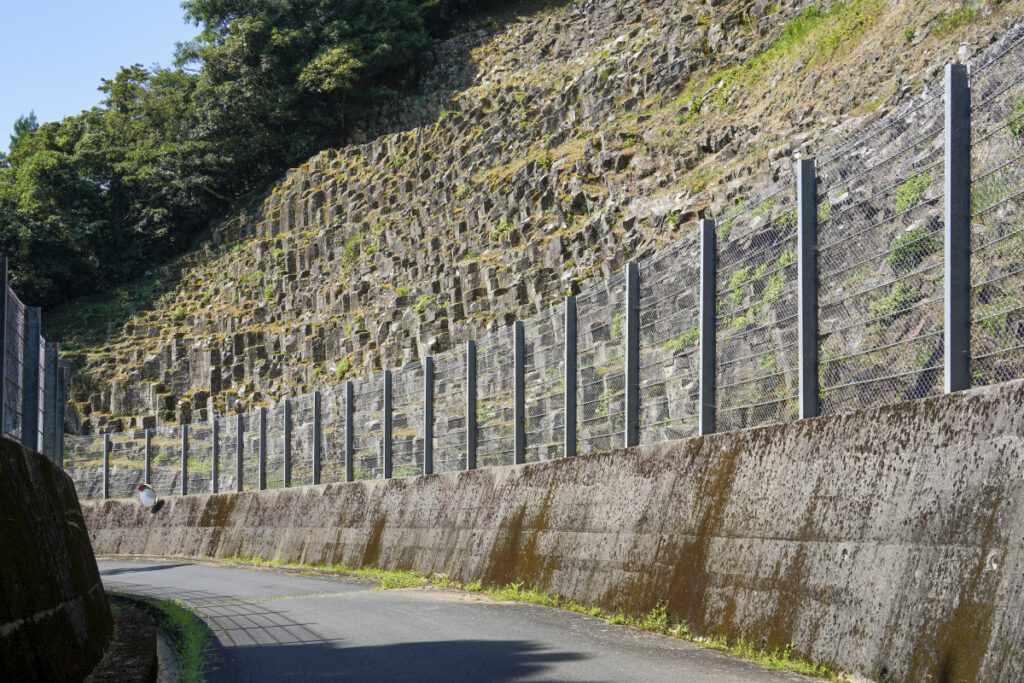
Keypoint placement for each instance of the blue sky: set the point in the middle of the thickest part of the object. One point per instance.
(53, 53)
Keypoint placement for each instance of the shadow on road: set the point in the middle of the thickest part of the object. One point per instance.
(132, 570)
(261, 643)
(447, 660)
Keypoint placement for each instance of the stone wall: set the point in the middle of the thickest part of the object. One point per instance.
(886, 542)
(54, 617)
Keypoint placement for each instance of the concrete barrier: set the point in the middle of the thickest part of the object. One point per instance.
(888, 542)
(54, 617)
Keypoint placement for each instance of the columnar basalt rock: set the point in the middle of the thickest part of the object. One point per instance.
(541, 153)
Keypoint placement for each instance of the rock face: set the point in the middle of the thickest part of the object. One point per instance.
(885, 542)
(541, 153)
(54, 617)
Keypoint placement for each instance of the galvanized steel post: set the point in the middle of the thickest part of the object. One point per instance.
(807, 286)
(428, 415)
(147, 469)
(317, 436)
(957, 238)
(708, 320)
(471, 405)
(386, 445)
(632, 355)
(519, 392)
(239, 452)
(263, 449)
(350, 436)
(106, 466)
(214, 454)
(30, 382)
(49, 402)
(184, 460)
(571, 380)
(287, 442)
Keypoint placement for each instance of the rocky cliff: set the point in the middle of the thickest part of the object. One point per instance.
(549, 144)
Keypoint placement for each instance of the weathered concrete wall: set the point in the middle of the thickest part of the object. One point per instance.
(54, 617)
(887, 542)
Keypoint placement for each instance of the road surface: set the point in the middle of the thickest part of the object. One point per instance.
(273, 625)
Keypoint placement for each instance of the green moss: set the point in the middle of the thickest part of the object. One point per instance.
(910, 192)
(895, 303)
(684, 341)
(947, 22)
(912, 247)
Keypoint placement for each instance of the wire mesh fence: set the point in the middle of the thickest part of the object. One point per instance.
(997, 219)
(757, 311)
(407, 420)
(14, 357)
(880, 302)
(368, 402)
(494, 403)
(332, 405)
(251, 451)
(127, 462)
(165, 469)
(544, 368)
(880, 265)
(450, 411)
(302, 436)
(200, 458)
(601, 392)
(227, 456)
(669, 343)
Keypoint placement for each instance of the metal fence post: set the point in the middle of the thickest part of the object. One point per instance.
(632, 377)
(957, 242)
(570, 377)
(386, 431)
(239, 452)
(3, 344)
(350, 434)
(807, 285)
(50, 402)
(519, 392)
(62, 380)
(317, 429)
(428, 415)
(106, 466)
(184, 460)
(30, 382)
(708, 320)
(471, 405)
(147, 469)
(287, 442)
(263, 449)
(215, 454)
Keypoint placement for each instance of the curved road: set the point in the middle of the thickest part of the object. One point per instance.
(274, 625)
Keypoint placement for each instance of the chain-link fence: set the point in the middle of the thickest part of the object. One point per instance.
(302, 436)
(165, 469)
(997, 219)
(880, 260)
(669, 343)
(407, 420)
(367, 421)
(544, 368)
(757, 311)
(14, 358)
(494, 404)
(881, 264)
(601, 391)
(450, 411)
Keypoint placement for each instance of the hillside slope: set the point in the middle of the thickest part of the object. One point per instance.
(550, 145)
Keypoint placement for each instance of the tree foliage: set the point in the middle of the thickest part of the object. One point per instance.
(92, 200)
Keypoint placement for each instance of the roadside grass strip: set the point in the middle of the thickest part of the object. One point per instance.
(191, 638)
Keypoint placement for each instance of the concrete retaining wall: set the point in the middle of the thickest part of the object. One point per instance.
(54, 617)
(888, 542)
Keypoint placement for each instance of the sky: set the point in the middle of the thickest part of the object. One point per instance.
(53, 53)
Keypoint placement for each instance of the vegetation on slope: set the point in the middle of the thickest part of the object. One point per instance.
(93, 200)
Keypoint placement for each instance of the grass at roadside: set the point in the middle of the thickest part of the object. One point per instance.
(656, 621)
(191, 637)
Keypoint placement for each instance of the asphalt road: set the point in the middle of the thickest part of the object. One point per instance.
(273, 625)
